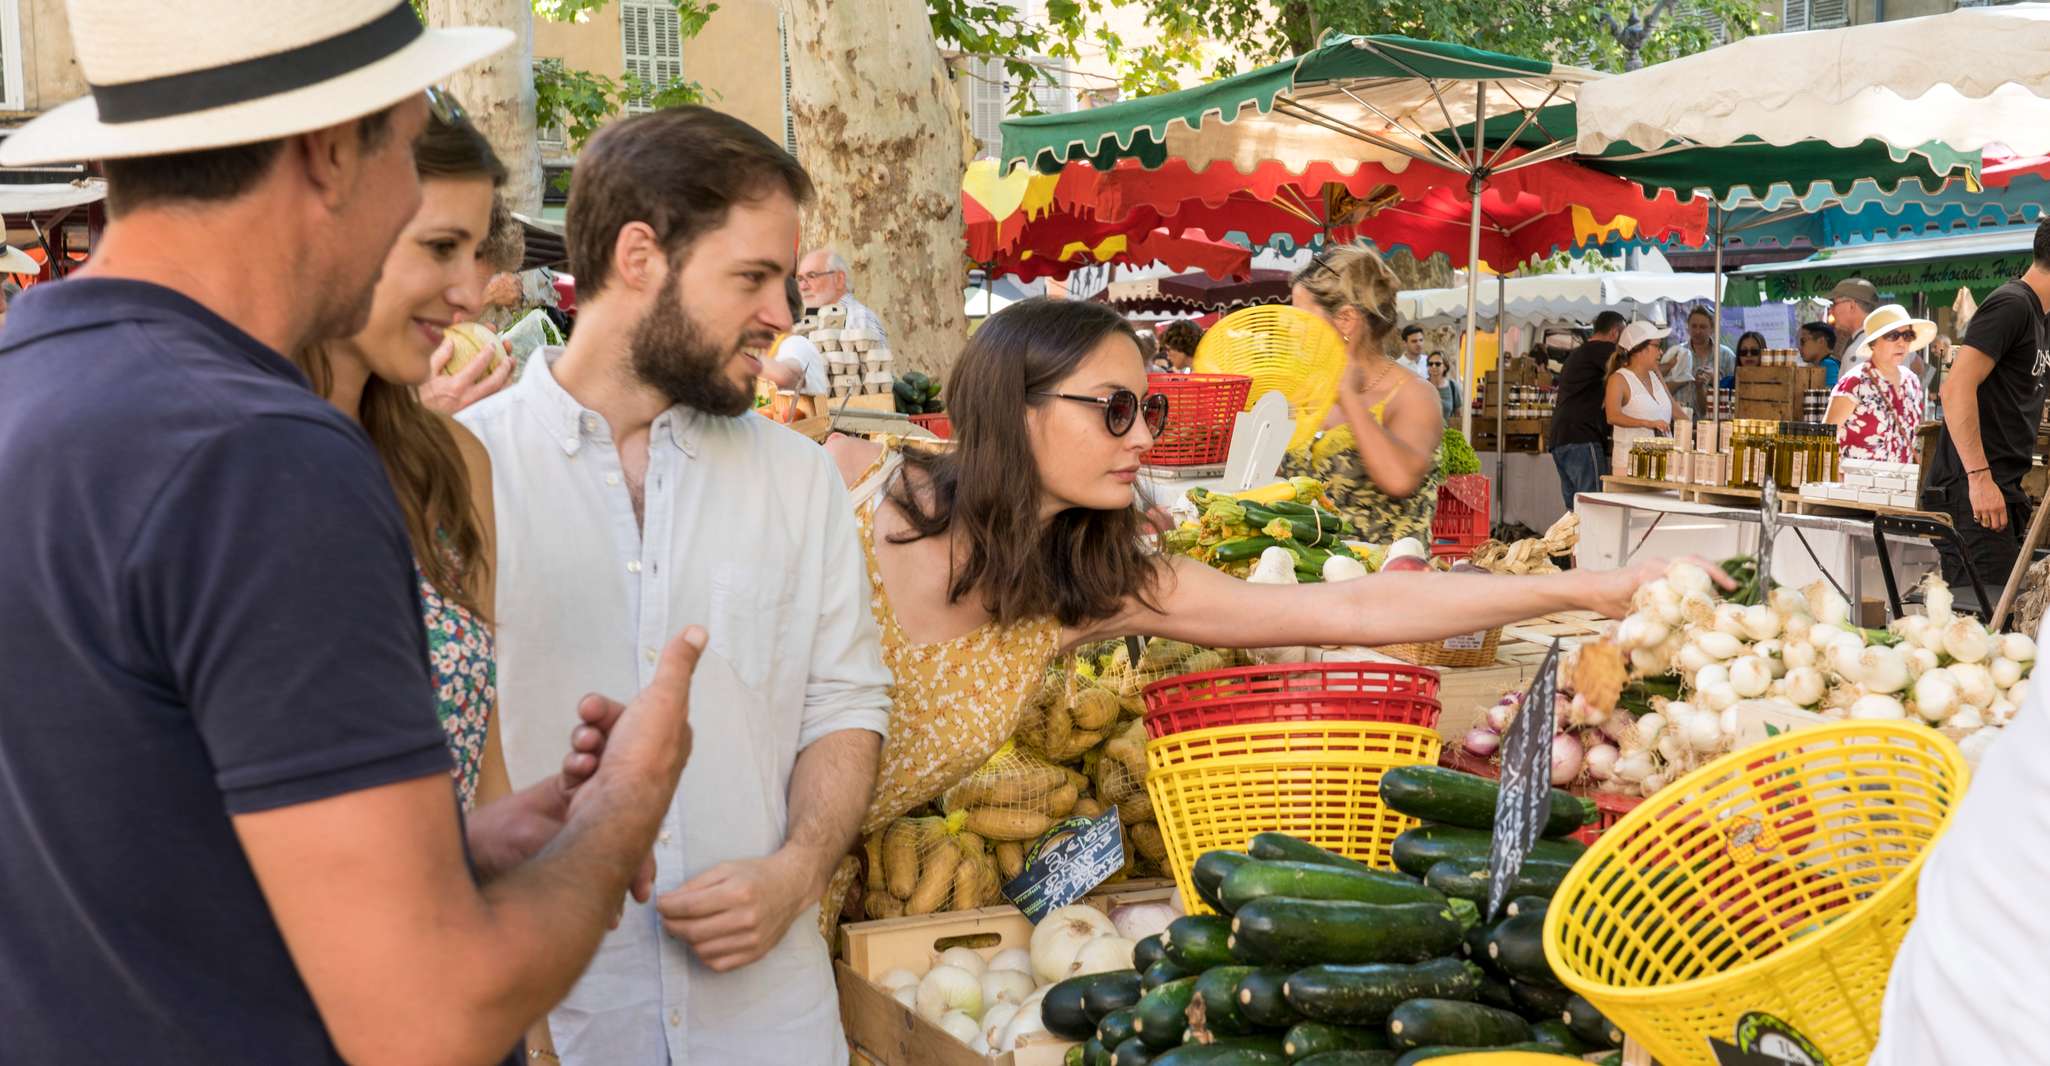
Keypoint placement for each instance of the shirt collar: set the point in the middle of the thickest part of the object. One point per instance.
(572, 424)
(54, 308)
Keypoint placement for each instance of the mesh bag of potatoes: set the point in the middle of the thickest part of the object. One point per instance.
(921, 865)
(1087, 696)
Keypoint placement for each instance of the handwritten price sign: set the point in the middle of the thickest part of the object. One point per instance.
(1060, 873)
(1526, 782)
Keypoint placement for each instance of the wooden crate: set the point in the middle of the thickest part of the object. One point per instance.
(1775, 392)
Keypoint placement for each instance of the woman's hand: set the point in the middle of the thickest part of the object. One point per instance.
(449, 393)
(1661, 427)
(1608, 592)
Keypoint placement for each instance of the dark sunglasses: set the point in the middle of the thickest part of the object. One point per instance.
(1750, 351)
(1122, 408)
(444, 106)
(1905, 333)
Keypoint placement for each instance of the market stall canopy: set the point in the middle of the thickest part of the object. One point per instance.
(1558, 296)
(1195, 293)
(1866, 213)
(1897, 268)
(1014, 227)
(1383, 99)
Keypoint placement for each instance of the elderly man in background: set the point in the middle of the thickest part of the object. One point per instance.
(1849, 303)
(822, 278)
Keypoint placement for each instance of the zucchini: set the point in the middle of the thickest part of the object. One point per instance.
(1423, 1054)
(1517, 947)
(1262, 1002)
(1116, 1028)
(1590, 1025)
(1555, 1034)
(1349, 1057)
(1495, 992)
(1217, 990)
(1063, 1011)
(1161, 1017)
(1364, 995)
(1454, 1023)
(1210, 870)
(1311, 880)
(1112, 991)
(1468, 878)
(1242, 548)
(1310, 1038)
(1539, 1000)
(1282, 847)
(1299, 932)
(1133, 1052)
(1093, 1053)
(1147, 952)
(1451, 797)
(1466, 910)
(1164, 971)
(1196, 942)
(1073, 1057)
(1417, 850)
(1527, 905)
(1230, 1051)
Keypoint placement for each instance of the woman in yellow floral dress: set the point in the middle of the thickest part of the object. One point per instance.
(1378, 452)
(1028, 539)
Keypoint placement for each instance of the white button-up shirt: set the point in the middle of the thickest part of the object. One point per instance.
(861, 316)
(748, 533)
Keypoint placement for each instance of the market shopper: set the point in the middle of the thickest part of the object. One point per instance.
(1178, 342)
(794, 364)
(1818, 348)
(1751, 348)
(1694, 370)
(822, 278)
(1580, 425)
(1992, 403)
(1849, 302)
(1877, 407)
(1412, 355)
(232, 833)
(1448, 389)
(1635, 401)
(636, 494)
(1378, 450)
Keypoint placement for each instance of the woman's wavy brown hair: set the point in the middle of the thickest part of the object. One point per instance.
(419, 451)
(1084, 564)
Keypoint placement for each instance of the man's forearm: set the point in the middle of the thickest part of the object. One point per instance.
(830, 788)
(1961, 421)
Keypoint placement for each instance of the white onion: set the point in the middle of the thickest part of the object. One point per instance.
(1692, 659)
(1566, 757)
(966, 958)
(960, 1025)
(1932, 638)
(1882, 669)
(1935, 695)
(1650, 725)
(1653, 782)
(1805, 686)
(1843, 657)
(1704, 732)
(2005, 672)
(1102, 955)
(895, 979)
(1710, 675)
(948, 988)
(1787, 603)
(1974, 683)
(1729, 620)
(1640, 631)
(1137, 921)
(1482, 741)
(1017, 959)
(1772, 652)
(1936, 597)
(2018, 694)
(1600, 761)
(1688, 579)
(1825, 605)
(1006, 986)
(1732, 721)
(1974, 747)
(1920, 661)
(1026, 1022)
(1634, 767)
(1965, 640)
(1719, 645)
(1875, 707)
(2001, 712)
(1672, 745)
(1061, 936)
(1749, 676)
(907, 995)
(2017, 646)
(1795, 629)
(1717, 698)
(1909, 628)
(998, 1017)
(1797, 654)
(1650, 662)
(1967, 718)
(1500, 715)
(1760, 622)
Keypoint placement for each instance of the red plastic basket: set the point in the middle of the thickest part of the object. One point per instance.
(938, 425)
(1201, 410)
(1461, 522)
(1299, 692)
(1609, 808)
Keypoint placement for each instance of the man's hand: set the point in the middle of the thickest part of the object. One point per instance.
(733, 913)
(1988, 505)
(449, 393)
(514, 829)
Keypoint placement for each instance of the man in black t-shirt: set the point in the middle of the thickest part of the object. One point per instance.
(1580, 430)
(1992, 402)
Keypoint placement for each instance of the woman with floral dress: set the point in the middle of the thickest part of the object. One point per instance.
(1877, 406)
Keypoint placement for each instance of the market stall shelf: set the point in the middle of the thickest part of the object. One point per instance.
(1742, 497)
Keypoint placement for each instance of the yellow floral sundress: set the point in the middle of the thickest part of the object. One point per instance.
(1333, 457)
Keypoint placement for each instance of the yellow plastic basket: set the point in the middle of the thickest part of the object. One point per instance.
(1283, 350)
(1316, 780)
(1778, 879)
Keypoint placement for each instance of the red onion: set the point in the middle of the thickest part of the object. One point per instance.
(1504, 709)
(1566, 756)
(1481, 741)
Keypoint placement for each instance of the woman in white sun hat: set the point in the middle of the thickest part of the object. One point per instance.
(1877, 405)
(1635, 399)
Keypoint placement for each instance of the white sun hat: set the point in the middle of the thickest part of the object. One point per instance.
(1637, 333)
(15, 261)
(1884, 320)
(196, 74)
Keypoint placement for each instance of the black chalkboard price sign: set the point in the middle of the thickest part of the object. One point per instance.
(1526, 782)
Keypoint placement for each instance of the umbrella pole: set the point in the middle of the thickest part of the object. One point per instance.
(1470, 357)
(1716, 347)
(1501, 391)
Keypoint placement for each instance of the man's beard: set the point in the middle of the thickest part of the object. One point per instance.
(672, 353)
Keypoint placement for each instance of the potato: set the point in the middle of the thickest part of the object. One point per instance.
(872, 846)
(1015, 784)
(900, 857)
(882, 905)
(935, 876)
(1010, 859)
(1094, 708)
(1147, 839)
(1001, 824)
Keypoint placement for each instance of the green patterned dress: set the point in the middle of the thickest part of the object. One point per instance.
(1334, 458)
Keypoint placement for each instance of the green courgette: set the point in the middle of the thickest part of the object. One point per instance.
(1209, 872)
(1116, 1028)
(1468, 878)
(1351, 1057)
(1424, 1054)
(1242, 548)
(1299, 932)
(1590, 1025)
(1311, 880)
(1261, 1000)
(1063, 1010)
(1133, 1052)
(1229, 1051)
(1073, 1057)
(1217, 993)
(1417, 850)
(1147, 952)
(1496, 992)
(1526, 905)
(1164, 971)
(1466, 910)
(1094, 1053)
(1196, 942)
(1161, 1017)
(1452, 797)
(1539, 1000)
(1555, 1034)
(1111, 991)
(1517, 947)
(1454, 1023)
(1280, 846)
(1305, 1039)
(1365, 994)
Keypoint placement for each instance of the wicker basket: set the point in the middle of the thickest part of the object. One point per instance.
(1468, 649)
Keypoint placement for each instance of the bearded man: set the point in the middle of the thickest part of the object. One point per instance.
(638, 494)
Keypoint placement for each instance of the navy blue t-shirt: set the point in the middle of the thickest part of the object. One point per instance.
(207, 608)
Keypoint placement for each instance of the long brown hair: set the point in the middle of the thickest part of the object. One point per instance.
(420, 453)
(1083, 564)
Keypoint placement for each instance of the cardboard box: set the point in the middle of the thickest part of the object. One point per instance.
(1704, 437)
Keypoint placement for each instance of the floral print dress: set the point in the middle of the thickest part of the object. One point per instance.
(1883, 425)
(459, 650)
(1333, 457)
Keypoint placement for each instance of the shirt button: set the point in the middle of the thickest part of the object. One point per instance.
(633, 566)
(675, 1019)
(651, 654)
(612, 479)
(663, 837)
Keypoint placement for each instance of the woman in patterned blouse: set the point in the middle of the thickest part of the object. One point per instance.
(1877, 406)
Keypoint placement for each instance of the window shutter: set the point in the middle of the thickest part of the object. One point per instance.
(783, 51)
(990, 99)
(640, 31)
(1828, 14)
(1795, 17)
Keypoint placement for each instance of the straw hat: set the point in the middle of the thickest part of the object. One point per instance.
(1885, 320)
(15, 261)
(199, 74)
(1637, 333)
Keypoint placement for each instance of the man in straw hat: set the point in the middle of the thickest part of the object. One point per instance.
(231, 832)
(1992, 403)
